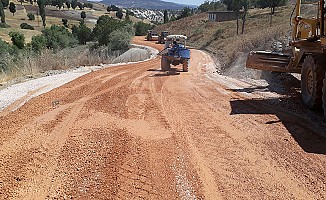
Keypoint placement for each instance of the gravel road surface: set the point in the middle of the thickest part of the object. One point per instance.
(135, 132)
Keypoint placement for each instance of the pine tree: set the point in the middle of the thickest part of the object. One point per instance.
(166, 17)
(41, 7)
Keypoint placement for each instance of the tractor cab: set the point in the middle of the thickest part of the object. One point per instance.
(175, 52)
(175, 41)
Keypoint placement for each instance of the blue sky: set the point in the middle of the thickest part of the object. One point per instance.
(189, 2)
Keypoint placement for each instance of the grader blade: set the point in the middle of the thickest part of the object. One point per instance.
(269, 61)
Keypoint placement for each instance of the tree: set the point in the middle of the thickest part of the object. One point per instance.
(82, 33)
(88, 5)
(235, 6)
(272, 4)
(57, 3)
(120, 39)
(212, 6)
(38, 43)
(141, 28)
(31, 16)
(68, 4)
(80, 6)
(108, 9)
(65, 22)
(114, 8)
(12, 8)
(166, 17)
(31, 2)
(2, 14)
(58, 37)
(104, 26)
(127, 17)
(186, 12)
(41, 7)
(83, 15)
(245, 4)
(173, 18)
(5, 3)
(18, 39)
(119, 14)
(21, 2)
(74, 4)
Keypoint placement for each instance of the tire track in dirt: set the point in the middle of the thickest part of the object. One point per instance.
(135, 132)
(55, 137)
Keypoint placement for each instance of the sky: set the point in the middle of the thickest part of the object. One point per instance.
(188, 2)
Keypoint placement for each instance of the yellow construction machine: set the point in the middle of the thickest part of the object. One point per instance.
(308, 56)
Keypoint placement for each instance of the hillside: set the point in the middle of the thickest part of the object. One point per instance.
(147, 4)
(220, 38)
(228, 48)
(53, 16)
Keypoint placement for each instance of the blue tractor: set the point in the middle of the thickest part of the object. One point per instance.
(175, 53)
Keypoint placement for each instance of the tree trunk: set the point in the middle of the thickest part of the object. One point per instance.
(271, 20)
(243, 22)
(238, 25)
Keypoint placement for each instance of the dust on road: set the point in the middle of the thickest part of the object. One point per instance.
(135, 132)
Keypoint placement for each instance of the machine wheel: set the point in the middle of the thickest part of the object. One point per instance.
(165, 65)
(185, 65)
(324, 97)
(312, 76)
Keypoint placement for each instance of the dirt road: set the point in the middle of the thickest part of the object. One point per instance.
(135, 132)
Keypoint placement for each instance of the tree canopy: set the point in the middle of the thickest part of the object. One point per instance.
(104, 26)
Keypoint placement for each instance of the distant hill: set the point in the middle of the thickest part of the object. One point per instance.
(146, 4)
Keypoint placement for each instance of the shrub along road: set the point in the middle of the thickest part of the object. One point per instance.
(135, 132)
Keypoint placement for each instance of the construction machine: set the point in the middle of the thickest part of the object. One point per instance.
(151, 36)
(307, 56)
(175, 52)
(162, 37)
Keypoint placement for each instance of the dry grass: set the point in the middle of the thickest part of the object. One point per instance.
(31, 65)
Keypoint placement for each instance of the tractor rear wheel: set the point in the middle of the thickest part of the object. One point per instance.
(324, 97)
(312, 76)
(165, 65)
(185, 65)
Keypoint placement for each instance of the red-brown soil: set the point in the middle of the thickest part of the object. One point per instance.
(135, 132)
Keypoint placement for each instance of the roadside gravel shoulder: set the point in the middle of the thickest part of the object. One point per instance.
(29, 88)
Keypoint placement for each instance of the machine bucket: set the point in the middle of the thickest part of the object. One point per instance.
(269, 61)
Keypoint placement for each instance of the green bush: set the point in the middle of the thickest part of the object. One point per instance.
(120, 39)
(141, 28)
(218, 33)
(2, 25)
(65, 22)
(82, 33)
(58, 37)
(7, 56)
(31, 16)
(38, 43)
(5, 47)
(26, 26)
(18, 39)
(105, 25)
